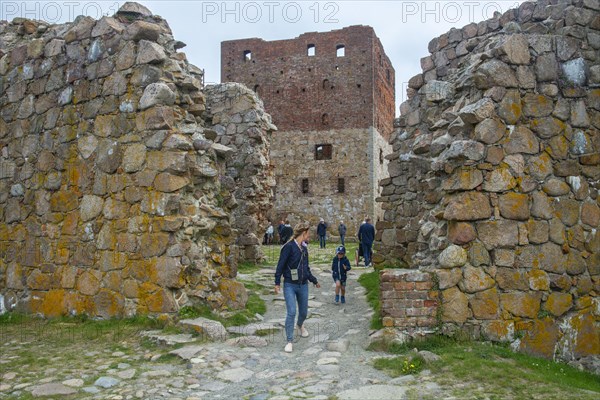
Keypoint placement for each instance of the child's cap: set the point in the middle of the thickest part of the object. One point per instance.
(340, 250)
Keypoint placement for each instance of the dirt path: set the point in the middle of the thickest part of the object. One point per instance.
(331, 363)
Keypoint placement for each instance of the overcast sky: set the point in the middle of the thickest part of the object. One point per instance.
(404, 27)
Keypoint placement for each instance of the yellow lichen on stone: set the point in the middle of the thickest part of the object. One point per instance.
(52, 303)
(541, 339)
(588, 334)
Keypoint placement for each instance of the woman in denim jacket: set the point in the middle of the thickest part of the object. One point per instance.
(293, 265)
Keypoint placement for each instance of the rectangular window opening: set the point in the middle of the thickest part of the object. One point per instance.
(323, 151)
(341, 185)
(311, 50)
(247, 55)
(304, 185)
(340, 50)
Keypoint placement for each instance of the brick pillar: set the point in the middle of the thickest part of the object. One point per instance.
(408, 299)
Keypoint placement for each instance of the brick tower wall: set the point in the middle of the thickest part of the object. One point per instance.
(298, 90)
(344, 101)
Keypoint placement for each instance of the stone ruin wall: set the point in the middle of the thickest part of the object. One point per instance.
(240, 123)
(494, 184)
(116, 197)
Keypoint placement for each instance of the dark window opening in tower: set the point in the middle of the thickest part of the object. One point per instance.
(341, 185)
(323, 151)
(304, 185)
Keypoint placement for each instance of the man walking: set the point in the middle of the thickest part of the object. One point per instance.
(286, 232)
(322, 233)
(366, 236)
(342, 231)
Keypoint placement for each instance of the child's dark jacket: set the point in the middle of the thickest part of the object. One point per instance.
(337, 268)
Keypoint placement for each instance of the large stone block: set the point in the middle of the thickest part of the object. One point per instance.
(512, 279)
(548, 257)
(448, 277)
(142, 30)
(541, 206)
(521, 304)
(516, 48)
(521, 140)
(475, 279)
(485, 305)
(499, 180)
(567, 210)
(514, 206)
(150, 53)
(455, 306)
(539, 280)
(558, 303)
(498, 331)
(64, 201)
(537, 231)
(489, 131)
(453, 256)
(461, 233)
(494, 234)
(494, 73)
(464, 178)
(468, 206)
(153, 244)
(109, 304)
(510, 108)
(541, 339)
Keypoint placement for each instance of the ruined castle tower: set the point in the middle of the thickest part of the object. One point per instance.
(331, 95)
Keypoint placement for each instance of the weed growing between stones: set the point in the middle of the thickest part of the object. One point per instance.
(370, 281)
(254, 305)
(397, 366)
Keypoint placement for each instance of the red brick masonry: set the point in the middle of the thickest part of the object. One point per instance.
(408, 299)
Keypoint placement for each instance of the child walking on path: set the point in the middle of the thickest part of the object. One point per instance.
(339, 268)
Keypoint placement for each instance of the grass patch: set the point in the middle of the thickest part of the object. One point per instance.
(493, 371)
(397, 366)
(370, 281)
(254, 305)
(249, 268)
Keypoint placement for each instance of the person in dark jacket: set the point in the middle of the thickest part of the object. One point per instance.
(280, 231)
(293, 266)
(342, 231)
(287, 232)
(322, 233)
(366, 236)
(339, 269)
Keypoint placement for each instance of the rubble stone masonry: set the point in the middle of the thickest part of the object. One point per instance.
(116, 197)
(495, 177)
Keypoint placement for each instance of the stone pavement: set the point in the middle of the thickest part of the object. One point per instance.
(331, 363)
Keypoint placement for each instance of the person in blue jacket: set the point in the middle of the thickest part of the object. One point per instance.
(322, 233)
(366, 236)
(339, 268)
(293, 266)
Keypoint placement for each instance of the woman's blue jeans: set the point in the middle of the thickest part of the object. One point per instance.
(293, 292)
